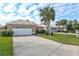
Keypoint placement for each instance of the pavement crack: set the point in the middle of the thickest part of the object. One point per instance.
(55, 50)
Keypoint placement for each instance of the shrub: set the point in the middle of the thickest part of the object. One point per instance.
(37, 31)
(40, 31)
(66, 31)
(59, 31)
(6, 33)
(48, 33)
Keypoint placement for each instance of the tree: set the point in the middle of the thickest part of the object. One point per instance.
(63, 22)
(5, 27)
(47, 14)
(70, 26)
(57, 23)
(76, 26)
(75, 23)
(70, 22)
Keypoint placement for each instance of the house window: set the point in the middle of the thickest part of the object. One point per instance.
(21, 27)
(13, 27)
(16, 27)
(26, 27)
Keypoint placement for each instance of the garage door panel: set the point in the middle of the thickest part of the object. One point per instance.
(22, 31)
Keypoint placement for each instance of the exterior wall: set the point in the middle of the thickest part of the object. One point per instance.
(77, 31)
(33, 29)
(53, 29)
(10, 26)
(62, 28)
(39, 28)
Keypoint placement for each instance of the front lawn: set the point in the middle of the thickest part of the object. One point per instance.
(6, 46)
(63, 38)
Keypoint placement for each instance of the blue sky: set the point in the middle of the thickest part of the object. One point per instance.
(14, 11)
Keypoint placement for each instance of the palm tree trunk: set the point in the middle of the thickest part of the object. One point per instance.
(47, 29)
(49, 32)
(47, 26)
(50, 28)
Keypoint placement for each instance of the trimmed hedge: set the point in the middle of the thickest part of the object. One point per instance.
(7, 33)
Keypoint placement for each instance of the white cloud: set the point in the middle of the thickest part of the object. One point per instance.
(2, 19)
(23, 12)
(1, 4)
(2, 16)
(41, 5)
(11, 17)
(22, 5)
(9, 8)
(6, 18)
(29, 18)
(25, 5)
(25, 9)
(37, 19)
(33, 8)
(36, 13)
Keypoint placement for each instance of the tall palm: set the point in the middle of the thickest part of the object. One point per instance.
(47, 14)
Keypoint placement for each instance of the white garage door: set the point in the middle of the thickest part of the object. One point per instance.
(22, 31)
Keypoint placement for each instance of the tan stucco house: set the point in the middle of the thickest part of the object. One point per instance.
(23, 27)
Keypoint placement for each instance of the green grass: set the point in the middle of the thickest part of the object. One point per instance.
(6, 46)
(65, 39)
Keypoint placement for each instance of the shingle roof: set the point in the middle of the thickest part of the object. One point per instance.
(22, 22)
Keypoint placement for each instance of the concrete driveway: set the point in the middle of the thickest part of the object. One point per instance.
(38, 46)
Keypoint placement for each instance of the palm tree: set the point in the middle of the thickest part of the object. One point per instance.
(47, 14)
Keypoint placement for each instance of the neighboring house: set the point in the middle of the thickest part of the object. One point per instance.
(58, 28)
(62, 28)
(40, 27)
(54, 29)
(23, 27)
(77, 31)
